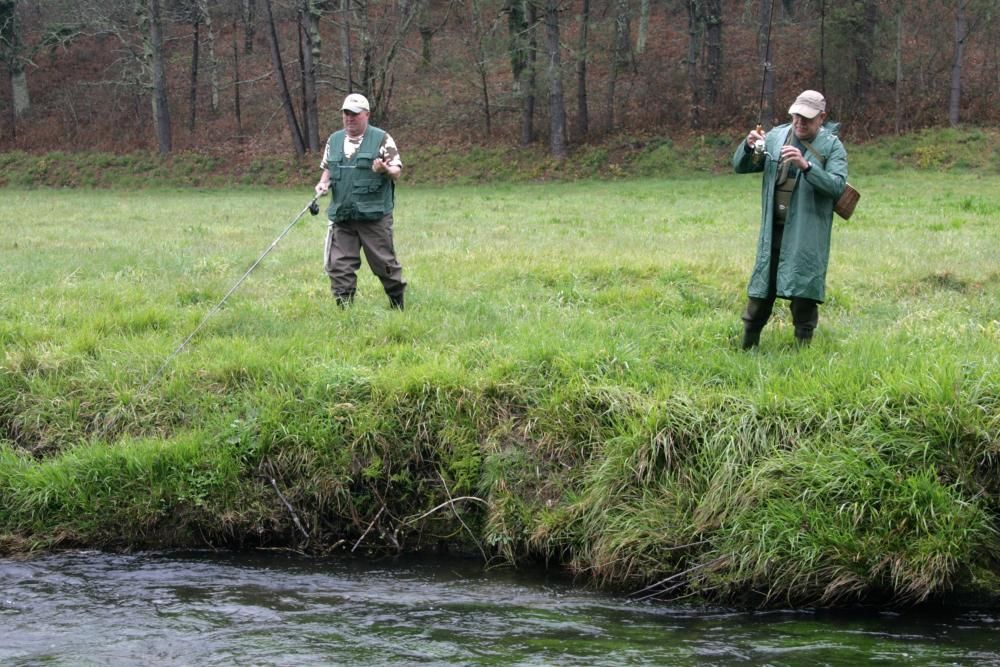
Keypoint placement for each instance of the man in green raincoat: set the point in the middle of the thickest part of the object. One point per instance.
(805, 170)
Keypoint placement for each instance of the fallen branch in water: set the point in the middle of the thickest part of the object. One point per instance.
(450, 501)
(460, 520)
(288, 505)
(368, 529)
(660, 590)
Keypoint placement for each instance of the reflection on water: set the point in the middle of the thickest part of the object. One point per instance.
(90, 608)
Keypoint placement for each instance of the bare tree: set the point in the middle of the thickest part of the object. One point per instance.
(713, 46)
(428, 25)
(213, 61)
(897, 92)
(640, 40)
(481, 61)
(310, 12)
(13, 55)
(557, 105)
(195, 13)
(704, 58)
(521, 24)
(249, 14)
(279, 76)
(155, 55)
(865, 53)
(582, 52)
(237, 111)
(347, 53)
(620, 57)
(963, 29)
(380, 34)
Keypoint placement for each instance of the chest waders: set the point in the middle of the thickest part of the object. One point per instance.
(783, 187)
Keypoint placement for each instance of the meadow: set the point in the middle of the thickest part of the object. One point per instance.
(565, 385)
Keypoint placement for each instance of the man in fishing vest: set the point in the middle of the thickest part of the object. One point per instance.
(805, 170)
(361, 165)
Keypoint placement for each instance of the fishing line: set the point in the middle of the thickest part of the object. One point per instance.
(312, 208)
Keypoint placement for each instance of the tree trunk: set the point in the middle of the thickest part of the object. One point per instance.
(426, 30)
(822, 46)
(481, 64)
(193, 93)
(11, 47)
(279, 72)
(249, 25)
(899, 68)
(528, 108)
(213, 62)
(640, 41)
(236, 86)
(10, 132)
(866, 54)
(345, 44)
(19, 90)
(522, 43)
(619, 57)
(713, 45)
(955, 93)
(696, 34)
(161, 111)
(557, 105)
(582, 117)
(310, 63)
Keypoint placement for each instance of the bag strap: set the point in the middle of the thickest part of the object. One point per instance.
(819, 156)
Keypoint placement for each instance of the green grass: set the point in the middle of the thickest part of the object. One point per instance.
(568, 355)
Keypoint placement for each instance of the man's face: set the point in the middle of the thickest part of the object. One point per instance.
(807, 128)
(355, 123)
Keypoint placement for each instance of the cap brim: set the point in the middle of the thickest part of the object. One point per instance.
(804, 111)
(353, 109)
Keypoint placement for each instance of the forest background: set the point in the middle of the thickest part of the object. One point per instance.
(242, 79)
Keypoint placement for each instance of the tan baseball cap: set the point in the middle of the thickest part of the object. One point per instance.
(355, 103)
(809, 104)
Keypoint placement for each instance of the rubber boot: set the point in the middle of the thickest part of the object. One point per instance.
(751, 338)
(396, 301)
(344, 300)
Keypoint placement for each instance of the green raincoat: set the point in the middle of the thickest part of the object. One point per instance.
(805, 246)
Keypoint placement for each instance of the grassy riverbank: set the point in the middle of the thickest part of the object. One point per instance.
(568, 359)
(967, 149)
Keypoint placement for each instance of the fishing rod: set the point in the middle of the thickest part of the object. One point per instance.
(313, 208)
(766, 67)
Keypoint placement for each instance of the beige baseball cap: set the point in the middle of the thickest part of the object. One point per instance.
(355, 103)
(809, 104)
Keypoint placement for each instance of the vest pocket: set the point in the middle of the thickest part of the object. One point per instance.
(369, 210)
(367, 187)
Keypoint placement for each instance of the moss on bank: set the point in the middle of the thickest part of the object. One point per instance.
(890, 493)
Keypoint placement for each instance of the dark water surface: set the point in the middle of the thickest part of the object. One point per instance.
(88, 608)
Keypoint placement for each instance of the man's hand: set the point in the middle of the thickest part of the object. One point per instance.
(380, 166)
(322, 188)
(753, 138)
(794, 155)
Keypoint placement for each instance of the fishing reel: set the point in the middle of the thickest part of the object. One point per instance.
(314, 208)
(758, 145)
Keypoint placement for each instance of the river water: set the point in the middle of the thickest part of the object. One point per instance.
(90, 608)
